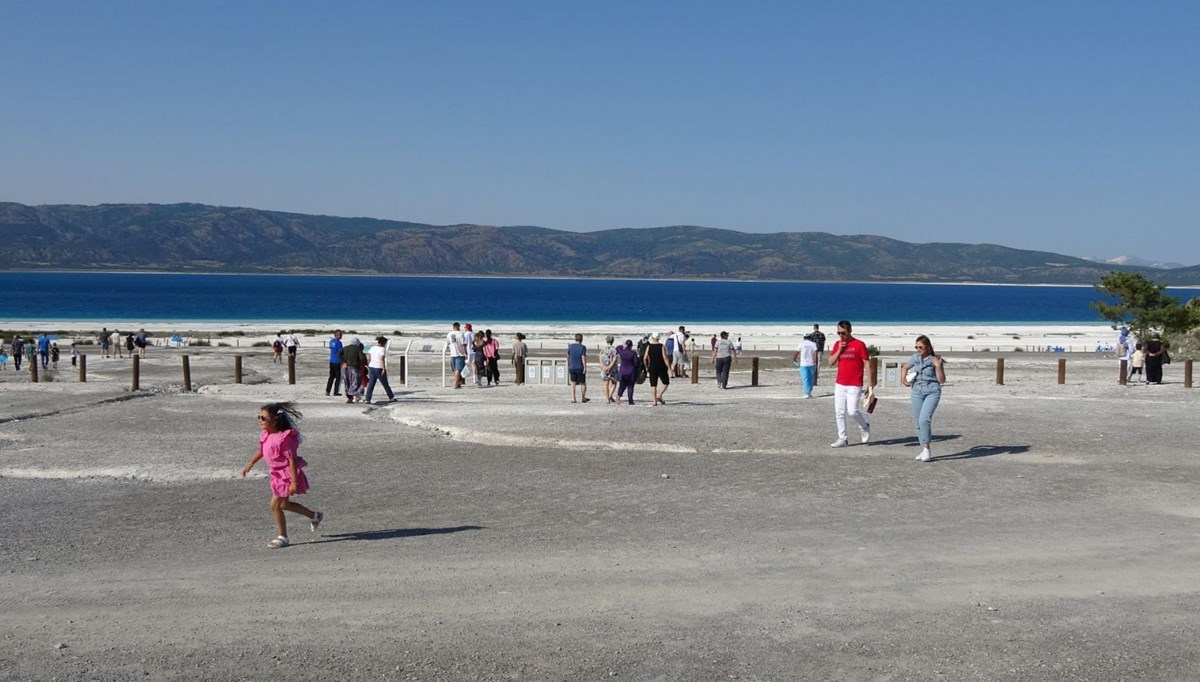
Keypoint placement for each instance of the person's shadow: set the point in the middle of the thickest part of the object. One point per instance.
(911, 441)
(982, 451)
(393, 534)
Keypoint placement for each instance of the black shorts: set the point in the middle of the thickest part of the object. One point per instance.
(578, 376)
(660, 374)
(291, 350)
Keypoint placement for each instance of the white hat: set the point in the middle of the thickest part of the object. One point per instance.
(654, 335)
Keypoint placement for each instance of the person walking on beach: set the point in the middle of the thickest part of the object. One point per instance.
(478, 359)
(18, 351)
(116, 340)
(377, 369)
(1154, 353)
(104, 341)
(53, 355)
(277, 349)
(577, 367)
(723, 357)
(850, 357)
(335, 363)
(491, 357)
(609, 369)
(468, 340)
(130, 344)
(519, 352)
(352, 360)
(1124, 347)
(658, 368)
(141, 342)
(627, 376)
(277, 444)
(806, 359)
(291, 343)
(74, 356)
(1136, 362)
(3, 357)
(679, 358)
(925, 373)
(43, 346)
(818, 337)
(458, 354)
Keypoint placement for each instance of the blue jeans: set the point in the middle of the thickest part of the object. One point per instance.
(923, 406)
(376, 374)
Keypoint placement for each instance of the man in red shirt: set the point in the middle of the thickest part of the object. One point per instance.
(850, 357)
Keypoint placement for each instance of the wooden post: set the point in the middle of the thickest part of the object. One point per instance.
(873, 372)
(82, 368)
(291, 369)
(237, 369)
(403, 370)
(1187, 373)
(137, 373)
(1062, 370)
(999, 371)
(1124, 377)
(754, 371)
(696, 369)
(33, 373)
(187, 374)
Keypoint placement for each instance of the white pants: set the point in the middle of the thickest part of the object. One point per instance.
(845, 402)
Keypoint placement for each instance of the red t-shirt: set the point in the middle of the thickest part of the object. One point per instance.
(850, 362)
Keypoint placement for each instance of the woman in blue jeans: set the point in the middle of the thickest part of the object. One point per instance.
(924, 373)
(377, 369)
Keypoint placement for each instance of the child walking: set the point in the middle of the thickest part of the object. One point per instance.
(277, 444)
(1137, 362)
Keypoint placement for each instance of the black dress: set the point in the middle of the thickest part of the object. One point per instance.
(1154, 362)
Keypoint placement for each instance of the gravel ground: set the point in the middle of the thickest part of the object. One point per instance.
(506, 533)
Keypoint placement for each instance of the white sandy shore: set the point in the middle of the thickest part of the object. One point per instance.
(889, 337)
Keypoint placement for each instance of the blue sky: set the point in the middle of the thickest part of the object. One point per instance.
(1063, 126)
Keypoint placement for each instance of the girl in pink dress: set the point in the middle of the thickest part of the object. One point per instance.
(277, 445)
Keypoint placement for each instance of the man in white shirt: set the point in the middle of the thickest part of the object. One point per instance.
(679, 359)
(806, 353)
(458, 355)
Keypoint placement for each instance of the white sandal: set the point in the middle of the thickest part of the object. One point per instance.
(279, 542)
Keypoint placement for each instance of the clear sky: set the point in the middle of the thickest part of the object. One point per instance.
(1063, 126)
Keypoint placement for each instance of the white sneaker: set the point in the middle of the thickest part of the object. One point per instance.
(924, 456)
(839, 443)
(315, 522)
(866, 434)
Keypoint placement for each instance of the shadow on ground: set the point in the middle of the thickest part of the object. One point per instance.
(984, 451)
(393, 534)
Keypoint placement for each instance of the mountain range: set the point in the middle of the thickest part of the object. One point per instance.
(202, 238)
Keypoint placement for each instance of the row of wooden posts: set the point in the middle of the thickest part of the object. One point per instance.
(873, 374)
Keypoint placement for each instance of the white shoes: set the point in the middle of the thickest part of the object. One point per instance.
(841, 443)
(924, 456)
(866, 434)
(315, 522)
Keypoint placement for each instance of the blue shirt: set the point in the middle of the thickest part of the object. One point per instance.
(575, 353)
(43, 344)
(926, 378)
(335, 347)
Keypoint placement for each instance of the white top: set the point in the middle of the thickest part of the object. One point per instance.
(454, 343)
(808, 353)
(290, 340)
(375, 356)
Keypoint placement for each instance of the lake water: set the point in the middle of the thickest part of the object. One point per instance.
(153, 297)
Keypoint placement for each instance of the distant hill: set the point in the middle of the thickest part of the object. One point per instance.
(200, 238)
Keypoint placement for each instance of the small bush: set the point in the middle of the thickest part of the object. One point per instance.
(971, 337)
(872, 351)
(261, 344)
(200, 342)
(222, 343)
(1018, 349)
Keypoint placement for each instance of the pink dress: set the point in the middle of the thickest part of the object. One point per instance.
(278, 449)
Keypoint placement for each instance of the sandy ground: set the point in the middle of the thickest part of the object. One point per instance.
(506, 533)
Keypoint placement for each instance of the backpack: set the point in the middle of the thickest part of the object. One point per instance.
(277, 346)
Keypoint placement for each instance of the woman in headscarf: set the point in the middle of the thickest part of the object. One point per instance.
(1154, 359)
(353, 360)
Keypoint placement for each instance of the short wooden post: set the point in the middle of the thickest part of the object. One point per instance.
(403, 370)
(1187, 373)
(187, 374)
(82, 368)
(999, 371)
(137, 374)
(1062, 370)
(873, 372)
(1123, 379)
(237, 369)
(695, 369)
(291, 369)
(754, 371)
(33, 369)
